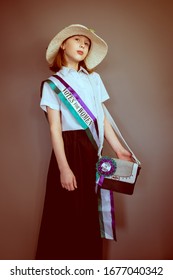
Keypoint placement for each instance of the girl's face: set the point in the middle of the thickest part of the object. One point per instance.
(75, 49)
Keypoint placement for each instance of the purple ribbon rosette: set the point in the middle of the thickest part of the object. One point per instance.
(105, 167)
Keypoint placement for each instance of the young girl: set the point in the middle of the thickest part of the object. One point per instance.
(70, 223)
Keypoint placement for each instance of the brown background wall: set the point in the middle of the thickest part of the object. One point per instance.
(138, 75)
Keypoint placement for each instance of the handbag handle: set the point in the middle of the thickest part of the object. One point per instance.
(116, 129)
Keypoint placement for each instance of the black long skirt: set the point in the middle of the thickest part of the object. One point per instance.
(70, 222)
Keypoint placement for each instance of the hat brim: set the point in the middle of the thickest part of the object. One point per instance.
(96, 53)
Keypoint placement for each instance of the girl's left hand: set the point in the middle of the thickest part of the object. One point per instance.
(125, 155)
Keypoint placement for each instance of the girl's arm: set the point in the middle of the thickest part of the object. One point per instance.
(67, 177)
(114, 142)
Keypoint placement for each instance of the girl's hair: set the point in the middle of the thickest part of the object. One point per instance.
(59, 62)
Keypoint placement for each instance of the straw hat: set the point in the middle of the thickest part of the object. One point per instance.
(97, 52)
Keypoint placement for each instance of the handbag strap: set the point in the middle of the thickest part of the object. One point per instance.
(116, 129)
(111, 121)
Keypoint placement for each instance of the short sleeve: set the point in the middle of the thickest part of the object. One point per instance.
(102, 90)
(49, 98)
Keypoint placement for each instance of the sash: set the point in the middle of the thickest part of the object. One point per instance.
(78, 109)
(88, 122)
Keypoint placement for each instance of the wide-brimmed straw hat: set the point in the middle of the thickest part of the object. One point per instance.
(97, 52)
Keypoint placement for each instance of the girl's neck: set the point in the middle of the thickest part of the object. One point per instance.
(74, 66)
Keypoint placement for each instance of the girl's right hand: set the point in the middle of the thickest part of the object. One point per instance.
(68, 180)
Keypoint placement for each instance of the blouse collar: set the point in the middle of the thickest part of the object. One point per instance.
(65, 70)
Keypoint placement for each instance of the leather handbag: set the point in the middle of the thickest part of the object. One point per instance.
(116, 174)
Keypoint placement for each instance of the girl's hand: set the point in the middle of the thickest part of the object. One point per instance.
(114, 142)
(68, 180)
(124, 155)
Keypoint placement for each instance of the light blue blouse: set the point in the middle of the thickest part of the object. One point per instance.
(80, 82)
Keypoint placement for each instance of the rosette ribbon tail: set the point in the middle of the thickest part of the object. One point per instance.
(106, 210)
